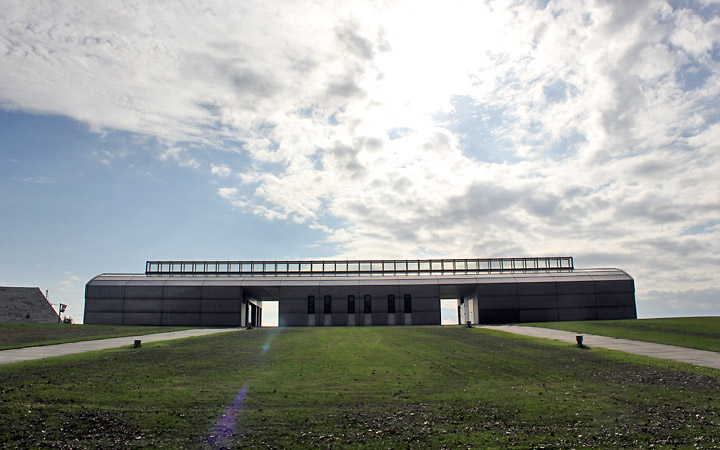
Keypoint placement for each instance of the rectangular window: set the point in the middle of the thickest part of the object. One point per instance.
(408, 303)
(311, 304)
(391, 303)
(351, 304)
(328, 305)
(368, 304)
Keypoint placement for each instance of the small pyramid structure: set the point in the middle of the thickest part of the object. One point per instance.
(25, 304)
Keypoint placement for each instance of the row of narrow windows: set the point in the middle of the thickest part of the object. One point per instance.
(367, 304)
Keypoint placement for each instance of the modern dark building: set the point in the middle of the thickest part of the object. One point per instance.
(359, 292)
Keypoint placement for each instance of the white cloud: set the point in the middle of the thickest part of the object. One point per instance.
(68, 284)
(35, 180)
(227, 193)
(582, 128)
(106, 156)
(180, 156)
(232, 195)
(220, 170)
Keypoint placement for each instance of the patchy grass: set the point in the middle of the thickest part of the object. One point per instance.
(370, 387)
(18, 335)
(693, 332)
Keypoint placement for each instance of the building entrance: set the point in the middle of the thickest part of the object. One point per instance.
(449, 311)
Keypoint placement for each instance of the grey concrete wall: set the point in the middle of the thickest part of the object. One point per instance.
(25, 304)
(530, 300)
(104, 303)
(425, 305)
(155, 302)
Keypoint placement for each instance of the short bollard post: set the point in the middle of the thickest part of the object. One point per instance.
(137, 343)
(579, 340)
(469, 324)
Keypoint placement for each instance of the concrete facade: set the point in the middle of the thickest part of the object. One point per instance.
(25, 304)
(236, 301)
(142, 300)
(597, 294)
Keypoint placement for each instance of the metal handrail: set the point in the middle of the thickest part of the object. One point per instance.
(368, 267)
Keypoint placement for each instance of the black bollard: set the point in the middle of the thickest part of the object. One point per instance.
(579, 340)
(137, 343)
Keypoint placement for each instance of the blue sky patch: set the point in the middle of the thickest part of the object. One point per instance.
(480, 130)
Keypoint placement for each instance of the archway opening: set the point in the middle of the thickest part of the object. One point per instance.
(270, 313)
(449, 313)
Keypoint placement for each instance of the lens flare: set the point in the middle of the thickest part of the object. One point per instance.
(270, 337)
(224, 428)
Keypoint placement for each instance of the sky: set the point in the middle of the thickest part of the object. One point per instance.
(135, 130)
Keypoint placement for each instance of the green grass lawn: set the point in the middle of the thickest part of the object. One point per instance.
(693, 332)
(18, 335)
(369, 387)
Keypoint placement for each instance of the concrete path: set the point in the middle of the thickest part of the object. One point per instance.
(662, 351)
(49, 351)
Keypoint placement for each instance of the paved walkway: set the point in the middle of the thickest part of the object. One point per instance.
(49, 351)
(662, 351)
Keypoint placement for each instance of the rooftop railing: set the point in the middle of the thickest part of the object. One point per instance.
(349, 268)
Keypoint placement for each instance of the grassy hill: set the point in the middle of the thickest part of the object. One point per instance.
(369, 387)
